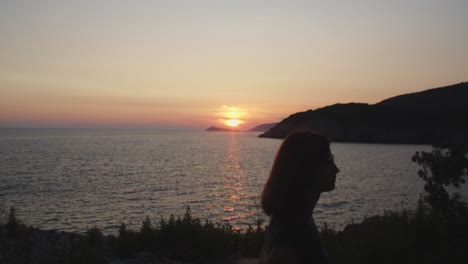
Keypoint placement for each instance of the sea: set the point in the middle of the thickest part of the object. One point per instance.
(75, 179)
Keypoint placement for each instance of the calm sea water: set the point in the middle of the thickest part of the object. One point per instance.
(75, 179)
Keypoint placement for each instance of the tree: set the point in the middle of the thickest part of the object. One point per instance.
(442, 168)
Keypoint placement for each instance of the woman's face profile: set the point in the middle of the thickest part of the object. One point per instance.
(326, 176)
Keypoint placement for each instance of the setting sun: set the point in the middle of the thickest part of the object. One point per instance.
(233, 122)
(232, 116)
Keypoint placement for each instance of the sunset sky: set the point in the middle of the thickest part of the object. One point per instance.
(195, 64)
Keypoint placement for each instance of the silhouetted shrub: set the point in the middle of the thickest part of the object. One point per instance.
(126, 244)
(148, 234)
(13, 225)
(442, 168)
(435, 232)
(251, 242)
(398, 237)
(187, 239)
(94, 237)
(88, 248)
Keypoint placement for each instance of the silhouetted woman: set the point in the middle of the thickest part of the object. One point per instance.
(304, 168)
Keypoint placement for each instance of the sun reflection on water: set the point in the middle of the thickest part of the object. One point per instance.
(233, 183)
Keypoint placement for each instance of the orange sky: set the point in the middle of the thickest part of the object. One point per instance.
(181, 64)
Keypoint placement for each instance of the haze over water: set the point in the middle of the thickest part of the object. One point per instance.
(74, 179)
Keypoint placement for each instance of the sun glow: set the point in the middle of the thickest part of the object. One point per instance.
(233, 122)
(232, 116)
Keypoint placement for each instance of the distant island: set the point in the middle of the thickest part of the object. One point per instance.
(259, 128)
(262, 127)
(216, 129)
(435, 116)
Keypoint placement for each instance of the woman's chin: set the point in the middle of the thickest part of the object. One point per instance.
(329, 188)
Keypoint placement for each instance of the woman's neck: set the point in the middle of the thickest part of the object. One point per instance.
(314, 197)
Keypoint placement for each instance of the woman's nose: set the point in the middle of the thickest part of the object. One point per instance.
(335, 168)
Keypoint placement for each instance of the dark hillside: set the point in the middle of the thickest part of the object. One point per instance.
(418, 118)
(262, 127)
(452, 96)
